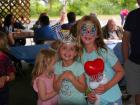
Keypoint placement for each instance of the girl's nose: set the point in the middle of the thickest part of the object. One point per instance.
(88, 31)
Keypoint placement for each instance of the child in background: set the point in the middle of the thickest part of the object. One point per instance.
(43, 76)
(6, 70)
(70, 79)
(90, 37)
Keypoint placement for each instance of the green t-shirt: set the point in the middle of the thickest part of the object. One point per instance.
(68, 94)
(110, 60)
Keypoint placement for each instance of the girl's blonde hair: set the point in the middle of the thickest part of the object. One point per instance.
(3, 42)
(99, 40)
(43, 59)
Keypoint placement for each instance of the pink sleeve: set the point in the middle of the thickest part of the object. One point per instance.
(36, 82)
(35, 85)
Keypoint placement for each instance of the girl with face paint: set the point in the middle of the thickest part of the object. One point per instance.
(90, 38)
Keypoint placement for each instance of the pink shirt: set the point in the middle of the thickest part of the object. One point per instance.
(49, 87)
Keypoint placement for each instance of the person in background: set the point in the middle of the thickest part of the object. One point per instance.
(71, 16)
(90, 37)
(131, 51)
(9, 25)
(70, 79)
(112, 31)
(45, 32)
(37, 23)
(123, 14)
(43, 76)
(57, 26)
(73, 29)
(7, 70)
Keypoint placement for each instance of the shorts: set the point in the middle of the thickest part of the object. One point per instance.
(132, 74)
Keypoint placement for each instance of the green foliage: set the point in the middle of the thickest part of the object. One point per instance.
(56, 8)
(37, 8)
(82, 7)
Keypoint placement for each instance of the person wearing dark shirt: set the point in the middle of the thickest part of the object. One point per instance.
(71, 16)
(7, 70)
(37, 23)
(131, 51)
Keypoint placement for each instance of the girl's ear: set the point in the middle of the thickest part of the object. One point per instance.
(96, 36)
(45, 63)
(76, 53)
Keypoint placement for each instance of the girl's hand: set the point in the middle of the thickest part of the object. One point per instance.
(69, 75)
(2, 81)
(101, 89)
(91, 97)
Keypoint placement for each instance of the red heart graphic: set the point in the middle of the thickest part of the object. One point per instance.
(93, 68)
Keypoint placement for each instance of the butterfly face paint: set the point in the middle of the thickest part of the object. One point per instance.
(88, 28)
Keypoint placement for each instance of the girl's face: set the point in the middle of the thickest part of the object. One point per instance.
(88, 32)
(51, 64)
(67, 52)
(88, 39)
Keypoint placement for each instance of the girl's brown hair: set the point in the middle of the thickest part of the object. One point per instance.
(99, 40)
(43, 59)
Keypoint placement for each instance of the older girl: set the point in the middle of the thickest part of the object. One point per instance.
(90, 37)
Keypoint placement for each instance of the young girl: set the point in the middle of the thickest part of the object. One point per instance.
(43, 76)
(6, 70)
(70, 79)
(90, 36)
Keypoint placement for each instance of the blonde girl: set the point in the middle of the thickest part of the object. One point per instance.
(90, 37)
(43, 76)
(70, 79)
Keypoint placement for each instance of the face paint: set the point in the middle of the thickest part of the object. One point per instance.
(88, 28)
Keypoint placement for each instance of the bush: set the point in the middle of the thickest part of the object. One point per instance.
(83, 7)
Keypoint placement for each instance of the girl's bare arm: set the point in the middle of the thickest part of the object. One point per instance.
(44, 96)
(78, 82)
(57, 82)
(117, 77)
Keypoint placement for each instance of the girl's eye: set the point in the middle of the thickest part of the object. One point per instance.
(63, 48)
(93, 31)
(83, 30)
(72, 49)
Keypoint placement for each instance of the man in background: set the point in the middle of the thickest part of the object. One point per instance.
(112, 31)
(131, 51)
(71, 16)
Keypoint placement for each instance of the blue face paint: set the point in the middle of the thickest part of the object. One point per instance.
(88, 28)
